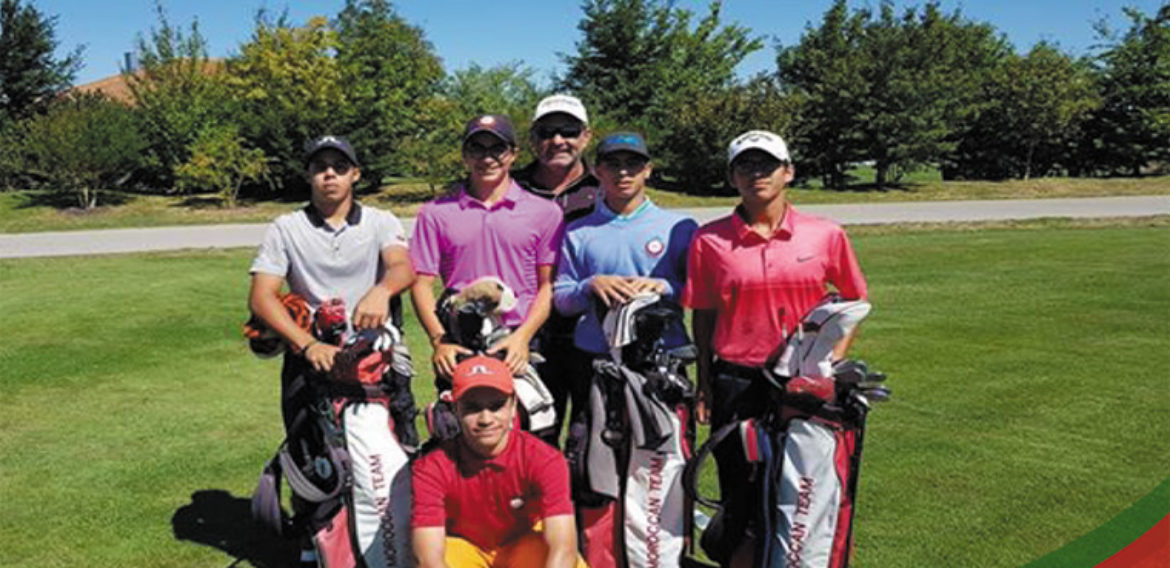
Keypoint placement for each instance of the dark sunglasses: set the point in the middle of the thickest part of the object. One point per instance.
(762, 165)
(631, 165)
(340, 167)
(566, 131)
(479, 151)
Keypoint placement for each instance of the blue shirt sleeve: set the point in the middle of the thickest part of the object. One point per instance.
(571, 289)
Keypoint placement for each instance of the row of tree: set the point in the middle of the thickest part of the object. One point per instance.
(919, 88)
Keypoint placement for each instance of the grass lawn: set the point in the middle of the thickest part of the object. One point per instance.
(1027, 363)
(26, 211)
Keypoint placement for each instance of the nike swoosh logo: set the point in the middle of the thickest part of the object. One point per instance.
(805, 258)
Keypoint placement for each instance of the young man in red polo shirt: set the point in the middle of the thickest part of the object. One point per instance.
(494, 496)
(751, 277)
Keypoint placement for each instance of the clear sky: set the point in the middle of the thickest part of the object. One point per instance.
(535, 32)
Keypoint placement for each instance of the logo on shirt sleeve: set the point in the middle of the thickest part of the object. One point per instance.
(655, 247)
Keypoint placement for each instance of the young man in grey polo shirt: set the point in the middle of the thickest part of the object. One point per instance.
(332, 248)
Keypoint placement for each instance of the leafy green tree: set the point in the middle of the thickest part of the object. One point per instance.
(30, 74)
(387, 68)
(1133, 124)
(221, 162)
(890, 88)
(641, 62)
(79, 145)
(289, 89)
(178, 93)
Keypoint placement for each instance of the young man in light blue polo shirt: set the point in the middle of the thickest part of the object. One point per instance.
(626, 246)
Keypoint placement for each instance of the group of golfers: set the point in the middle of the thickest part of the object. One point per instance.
(567, 235)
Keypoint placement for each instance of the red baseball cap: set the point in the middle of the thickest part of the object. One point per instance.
(481, 371)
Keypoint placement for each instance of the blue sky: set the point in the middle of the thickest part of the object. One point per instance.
(488, 32)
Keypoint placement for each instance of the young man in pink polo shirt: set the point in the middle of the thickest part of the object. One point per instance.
(494, 496)
(751, 276)
(488, 226)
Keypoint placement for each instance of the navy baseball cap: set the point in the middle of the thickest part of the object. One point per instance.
(623, 142)
(497, 124)
(330, 142)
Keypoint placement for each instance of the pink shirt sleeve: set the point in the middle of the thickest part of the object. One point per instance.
(427, 494)
(845, 273)
(551, 474)
(550, 240)
(426, 249)
(699, 293)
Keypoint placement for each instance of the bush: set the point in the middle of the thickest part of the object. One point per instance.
(81, 144)
(220, 162)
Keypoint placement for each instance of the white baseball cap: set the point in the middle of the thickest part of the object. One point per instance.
(560, 102)
(758, 140)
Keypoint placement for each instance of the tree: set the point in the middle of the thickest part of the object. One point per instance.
(894, 89)
(1133, 124)
(289, 90)
(79, 145)
(30, 75)
(388, 68)
(221, 162)
(641, 62)
(178, 93)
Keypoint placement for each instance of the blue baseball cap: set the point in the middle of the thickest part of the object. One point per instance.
(623, 142)
(496, 124)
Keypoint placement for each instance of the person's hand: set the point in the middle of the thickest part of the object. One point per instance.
(612, 290)
(372, 309)
(515, 348)
(703, 405)
(641, 284)
(320, 356)
(446, 357)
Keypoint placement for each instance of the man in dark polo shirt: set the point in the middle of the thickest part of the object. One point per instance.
(559, 135)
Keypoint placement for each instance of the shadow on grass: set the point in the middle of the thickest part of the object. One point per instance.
(214, 518)
(67, 200)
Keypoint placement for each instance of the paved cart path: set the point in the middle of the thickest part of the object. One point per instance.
(106, 241)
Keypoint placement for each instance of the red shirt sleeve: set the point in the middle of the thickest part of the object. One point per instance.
(700, 292)
(550, 473)
(845, 274)
(428, 493)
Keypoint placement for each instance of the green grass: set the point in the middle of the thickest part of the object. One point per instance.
(1027, 364)
(28, 211)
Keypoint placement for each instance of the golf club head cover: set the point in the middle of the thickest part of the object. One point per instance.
(331, 321)
(808, 351)
(266, 343)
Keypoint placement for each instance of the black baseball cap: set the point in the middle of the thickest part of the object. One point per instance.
(497, 124)
(327, 142)
(623, 142)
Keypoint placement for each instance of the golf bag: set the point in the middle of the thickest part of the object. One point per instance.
(471, 318)
(805, 451)
(348, 471)
(627, 450)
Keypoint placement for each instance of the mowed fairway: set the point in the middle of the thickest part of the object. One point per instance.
(1029, 367)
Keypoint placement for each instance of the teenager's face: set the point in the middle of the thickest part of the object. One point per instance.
(332, 176)
(759, 176)
(485, 415)
(487, 158)
(622, 175)
(558, 140)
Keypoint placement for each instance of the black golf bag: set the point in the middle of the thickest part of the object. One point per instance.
(804, 452)
(627, 450)
(471, 319)
(344, 455)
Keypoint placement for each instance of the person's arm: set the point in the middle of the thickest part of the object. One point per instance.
(264, 301)
(560, 534)
(398, 275)
(515, 345)
(430, 546)
(423, 295)
(846, 276)
(570, 291)
(703, 327)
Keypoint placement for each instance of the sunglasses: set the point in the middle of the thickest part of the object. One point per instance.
(630, 165)
(567, 131)
(479, 151)
(762, 165)
(340, 167)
